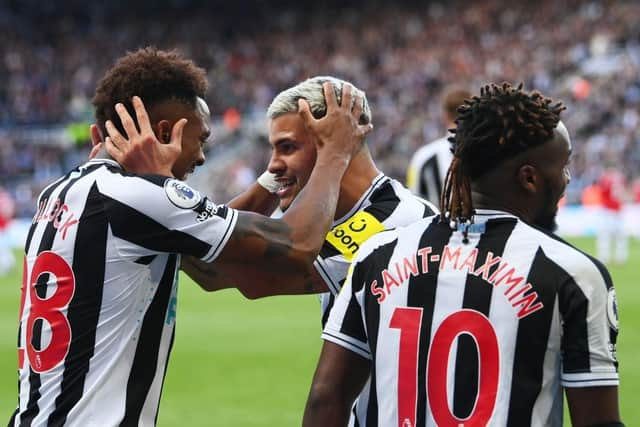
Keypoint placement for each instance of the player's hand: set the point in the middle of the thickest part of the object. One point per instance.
(96, 141)
(338, 131)
(140, 151)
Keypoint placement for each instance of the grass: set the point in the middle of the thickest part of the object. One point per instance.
(250, 363)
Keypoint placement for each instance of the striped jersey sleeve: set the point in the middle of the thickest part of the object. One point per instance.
(346, 325)
(588, 309)
(151, 214)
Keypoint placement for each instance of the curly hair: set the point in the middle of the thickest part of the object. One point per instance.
(153, 75)
(497, 125)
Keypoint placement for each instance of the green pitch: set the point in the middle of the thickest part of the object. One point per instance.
(237, 362)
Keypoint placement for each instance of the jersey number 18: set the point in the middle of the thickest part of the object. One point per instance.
(47, 310)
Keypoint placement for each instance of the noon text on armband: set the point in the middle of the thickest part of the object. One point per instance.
(504, 276)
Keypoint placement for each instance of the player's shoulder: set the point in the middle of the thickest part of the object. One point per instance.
(584, 268)
(148, 192)
(112, 170)
(375, 242)
(399, 235)
(109, 174)
(398, 205)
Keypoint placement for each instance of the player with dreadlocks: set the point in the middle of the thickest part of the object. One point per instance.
(499, 124)
(481, 315)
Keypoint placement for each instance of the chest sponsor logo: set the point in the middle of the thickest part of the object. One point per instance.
(181, 195)
(350, 235)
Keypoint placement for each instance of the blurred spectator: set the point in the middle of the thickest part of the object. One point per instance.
(591, 196)
(612, 241)
(7, 209)
(585, 53)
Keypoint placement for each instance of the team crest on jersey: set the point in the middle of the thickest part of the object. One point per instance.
(612, 309)
(181, 195)
(351, 234)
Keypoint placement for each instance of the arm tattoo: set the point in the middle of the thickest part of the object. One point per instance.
(275, 235)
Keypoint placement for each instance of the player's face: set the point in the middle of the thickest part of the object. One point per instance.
(556, 177)
(195, 135)
(293, 156)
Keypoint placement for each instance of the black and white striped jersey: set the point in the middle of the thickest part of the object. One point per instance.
(99, 293)
(428, 168)
(386, 204)
(482, 333)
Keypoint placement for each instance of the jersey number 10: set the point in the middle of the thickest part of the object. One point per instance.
(408, 320)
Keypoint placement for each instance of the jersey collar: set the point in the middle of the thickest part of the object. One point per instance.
(487, 214)
(110, 162)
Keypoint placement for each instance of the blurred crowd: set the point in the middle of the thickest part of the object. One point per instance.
(403, 54)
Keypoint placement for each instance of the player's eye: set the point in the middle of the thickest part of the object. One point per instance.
(286, 147)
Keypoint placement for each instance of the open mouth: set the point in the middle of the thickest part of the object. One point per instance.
(285, 186)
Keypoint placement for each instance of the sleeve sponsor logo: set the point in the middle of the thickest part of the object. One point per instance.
(207, 209)
(181, 195)
(350, 235)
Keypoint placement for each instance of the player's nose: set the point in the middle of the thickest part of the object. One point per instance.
(276, 165)
(200, 159)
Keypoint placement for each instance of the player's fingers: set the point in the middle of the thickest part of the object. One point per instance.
(176, 134)
(114, 135)
(365, 129)
(305, 111)
(142, 116)
(358, 106)
(127, 122)
(329, 95)
(112, 149)
(95, 150)
(347, 91)
(96, 137)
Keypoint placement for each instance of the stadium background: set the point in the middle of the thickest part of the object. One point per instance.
(239, 362)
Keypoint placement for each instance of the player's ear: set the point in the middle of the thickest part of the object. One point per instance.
(163, 131)
(528, 178)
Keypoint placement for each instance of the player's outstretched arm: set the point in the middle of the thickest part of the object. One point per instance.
(261, 249)
(339, 377)
(257, 283)
(209, 276)
(592, 406)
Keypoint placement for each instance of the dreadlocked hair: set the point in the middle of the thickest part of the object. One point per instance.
(499, 124)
